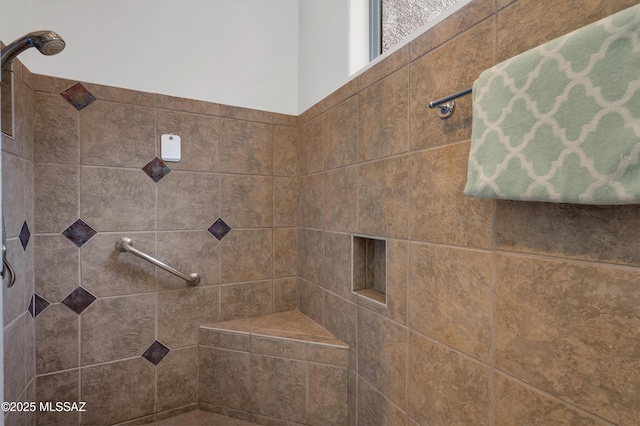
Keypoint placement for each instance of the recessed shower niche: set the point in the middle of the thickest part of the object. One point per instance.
(369, 277)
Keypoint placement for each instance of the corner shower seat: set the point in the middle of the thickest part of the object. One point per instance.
(280, 368)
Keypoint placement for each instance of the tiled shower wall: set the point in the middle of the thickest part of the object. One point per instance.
(499, 312)
(111, 329)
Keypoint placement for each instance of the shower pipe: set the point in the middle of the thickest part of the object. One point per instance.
(125, 244)
(445, 108)
(48, 43)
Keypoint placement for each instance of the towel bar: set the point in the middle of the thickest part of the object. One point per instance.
(445, 108)
(125, 244)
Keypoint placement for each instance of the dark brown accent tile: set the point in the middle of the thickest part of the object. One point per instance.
(118, 391)
(79, 232)
(188, 200)
(310, 198)
(466, 57)
(440, 212)
(219, 229)
(199, 139)
(383, 198)
(382, 355)
(285, 202)
(78, 96)
(246, 147)
(388, 65)
(155, 353)
(55, 130)
(156, 169)
(246, 255)
(439, 379)
(285, 146)
(383, 109)
(559, 230)
(55, 198)
(78, 300)
(450, 297)
(310, 148)
(340, 189)
(341, 134)
(580, 319)
(246, 300)
(247, 201)
(455, 24)
(114, 134)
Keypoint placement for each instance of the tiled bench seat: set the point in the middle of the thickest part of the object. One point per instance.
(276, 369)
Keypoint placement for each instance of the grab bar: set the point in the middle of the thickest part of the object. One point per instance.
(445, 108)
(125, 244)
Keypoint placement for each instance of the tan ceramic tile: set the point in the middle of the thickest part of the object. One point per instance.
(59, 387)
(328, 350)
(57, 343)
(465, 57)
(118, 391)
(187, 105)
(117, 327)
(49, 84)
(285, 252)
(246, 147)
(188, 252)
(458, 22)
(310, 300)
(14, 355)
(181, 312)
(450, 297)
(311, 113)
(382, 355)
(117, 199)
(224, 340)
(340, 189)
(224, 377)
(199, 136)
(116, 94)
(374, 408)
(310, 248)
(341, 134)
(285, 201)
(246, 255)
(310, 146)
(440, 212)
(558, 229)
(178, 379)
(581, 320)
(517, 34)
(14, 181)
(55, 198)
(391, 63)
(310, 211)
(283, 348)
(382, 117)
(285, 294)
(13, 299)
(188, 200)
(278, 387)
(328, 395)
(339, 95)
(55, 130)
(285, 146)
(439, 379)
(337, 264)
(518, 404)
(243, 325)
(292, 321)
(244, 300)
(246, 201)
(108, 272)
(114, 134)
(285, 120)
(246, 114)
(383, 198)
(341, 319)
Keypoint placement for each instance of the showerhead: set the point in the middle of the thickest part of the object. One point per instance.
(47, 42)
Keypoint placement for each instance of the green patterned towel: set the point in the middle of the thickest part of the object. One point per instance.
(561, 122)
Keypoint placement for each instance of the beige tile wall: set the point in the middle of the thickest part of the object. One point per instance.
(238, 164)
(505, 313)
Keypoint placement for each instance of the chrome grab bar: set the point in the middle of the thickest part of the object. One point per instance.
(125, 244)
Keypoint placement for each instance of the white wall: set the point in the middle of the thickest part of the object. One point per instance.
(235, 52)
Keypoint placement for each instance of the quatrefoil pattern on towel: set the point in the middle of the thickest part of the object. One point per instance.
(561, 122)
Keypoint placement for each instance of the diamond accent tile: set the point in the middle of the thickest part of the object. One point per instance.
(78, 96)
(219, 229)
(79, 232)
(155, 353)
(25, 234)
(37, 305)
(156, 169)
(79, 300)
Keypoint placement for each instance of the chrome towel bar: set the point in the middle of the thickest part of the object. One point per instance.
(445, 108)
(125, 244)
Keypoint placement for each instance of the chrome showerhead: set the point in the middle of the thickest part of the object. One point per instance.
(47, 42)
